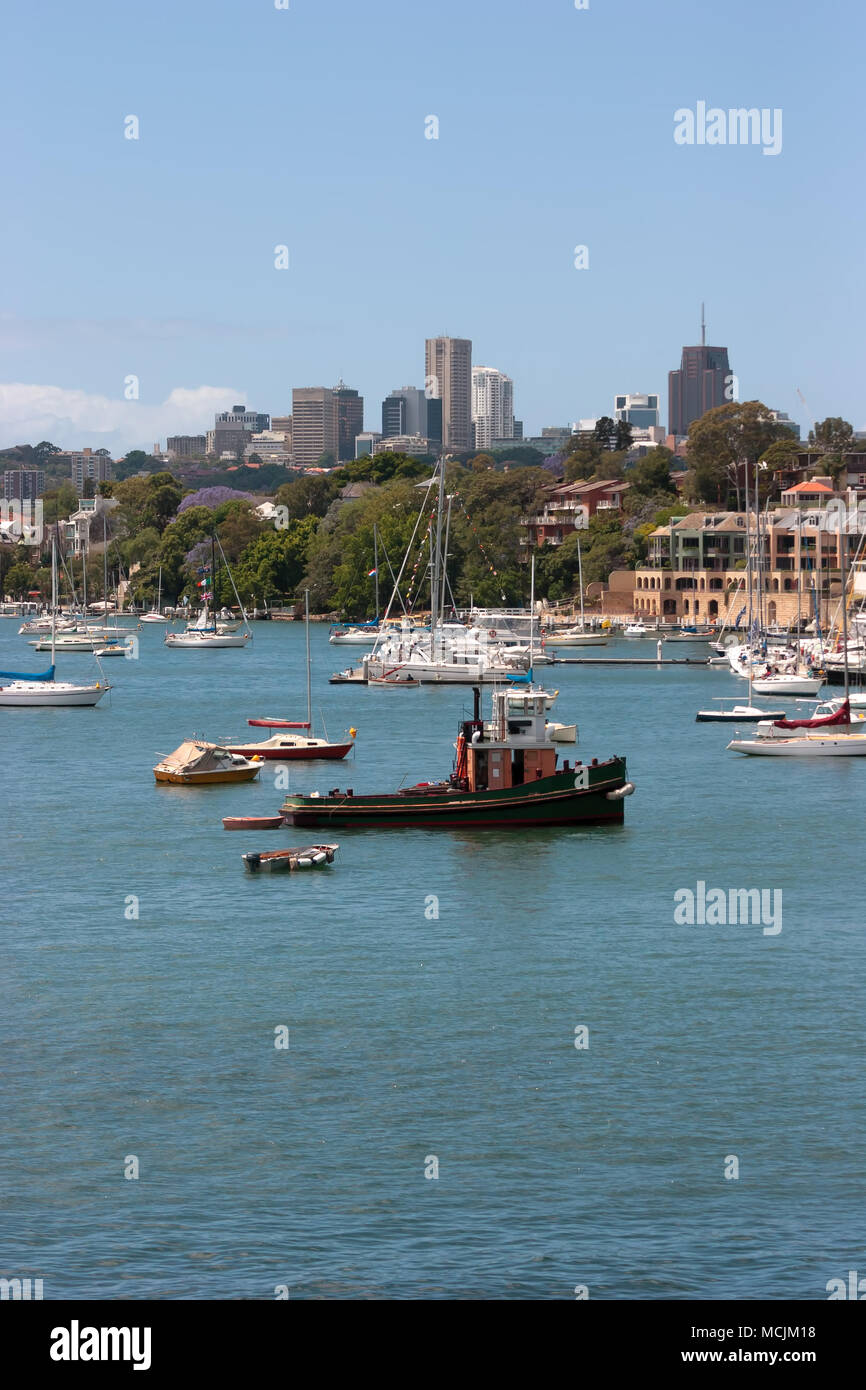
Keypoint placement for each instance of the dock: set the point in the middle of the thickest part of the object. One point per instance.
(630, 661)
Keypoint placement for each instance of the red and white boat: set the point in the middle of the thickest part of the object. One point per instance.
(283, 746)
(287, 747)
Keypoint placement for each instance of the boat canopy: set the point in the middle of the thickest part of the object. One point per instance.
(28, 675)
(821, 721)
(193, 756)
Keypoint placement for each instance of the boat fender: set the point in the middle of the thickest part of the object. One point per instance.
(619, 792)
(304, 863)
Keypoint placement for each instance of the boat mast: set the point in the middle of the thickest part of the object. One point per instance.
(579, 580)
(307, 635)
(53, 593)
(843, 561)
(105, 568)
(437, 560)
(212, 581)
(376, 568)
(748, 548)
(532, 613)
(444, 583)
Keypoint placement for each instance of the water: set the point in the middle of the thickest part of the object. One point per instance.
(411, 1036)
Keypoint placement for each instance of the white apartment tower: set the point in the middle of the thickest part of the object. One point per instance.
(492, 406)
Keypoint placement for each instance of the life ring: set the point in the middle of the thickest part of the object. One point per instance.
(492, 632)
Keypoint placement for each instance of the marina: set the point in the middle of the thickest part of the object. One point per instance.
(534, 957)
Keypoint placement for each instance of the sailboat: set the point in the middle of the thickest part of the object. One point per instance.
(825, 736)
(155, 615)
(19, 689)
(207, 635)
(577, 636)
(284, 746)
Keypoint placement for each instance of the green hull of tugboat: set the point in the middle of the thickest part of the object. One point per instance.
(589, 794)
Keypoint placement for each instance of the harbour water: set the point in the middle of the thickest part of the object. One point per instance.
(432, 985)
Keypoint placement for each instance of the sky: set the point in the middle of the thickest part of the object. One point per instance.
(153, 259)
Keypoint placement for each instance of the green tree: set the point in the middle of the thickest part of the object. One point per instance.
(605, 431)
(652, 474)
(833, 434)
(59, 503)
(43, 451)
(722, 444)
(273, 564)
(19, 579)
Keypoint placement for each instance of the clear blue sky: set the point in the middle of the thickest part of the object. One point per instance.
(305, 126)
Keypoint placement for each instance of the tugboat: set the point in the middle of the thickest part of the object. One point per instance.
(506, 774)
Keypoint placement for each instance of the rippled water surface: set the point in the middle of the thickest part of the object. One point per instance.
(413, 1036)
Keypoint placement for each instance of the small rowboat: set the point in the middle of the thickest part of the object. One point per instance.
(277, 861)
(252, 822)
(392, 678)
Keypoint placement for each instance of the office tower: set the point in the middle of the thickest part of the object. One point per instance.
(448, 373)
(703, 381)
(492, 406)
(349, 422)
(314, 425)
(408, 411)
(637, 410)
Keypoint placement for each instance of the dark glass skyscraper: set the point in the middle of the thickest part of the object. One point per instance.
(703, 381)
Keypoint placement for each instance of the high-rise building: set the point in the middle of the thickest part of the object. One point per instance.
(233, 429)
(84, 463)
(409, 411)
(640, 411)
(492, 406)
(184, 446)
(448, 372)
(349, 408)
(239, 418)
(23, 484)
(703, 382)
(314, 425)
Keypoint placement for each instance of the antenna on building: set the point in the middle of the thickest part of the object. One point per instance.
(703, 328)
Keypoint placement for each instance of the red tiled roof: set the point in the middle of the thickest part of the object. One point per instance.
(809, 487)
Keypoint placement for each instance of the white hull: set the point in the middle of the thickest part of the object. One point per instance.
(192, 641)
(354, 638)
(576, 639)
(152, 618)
(808, 746)
(50, 693)
(788, 685)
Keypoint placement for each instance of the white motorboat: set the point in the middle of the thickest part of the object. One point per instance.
(638, 629)
(361, 635)
(519, 689)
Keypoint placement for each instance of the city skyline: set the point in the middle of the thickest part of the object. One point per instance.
(132, 317)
